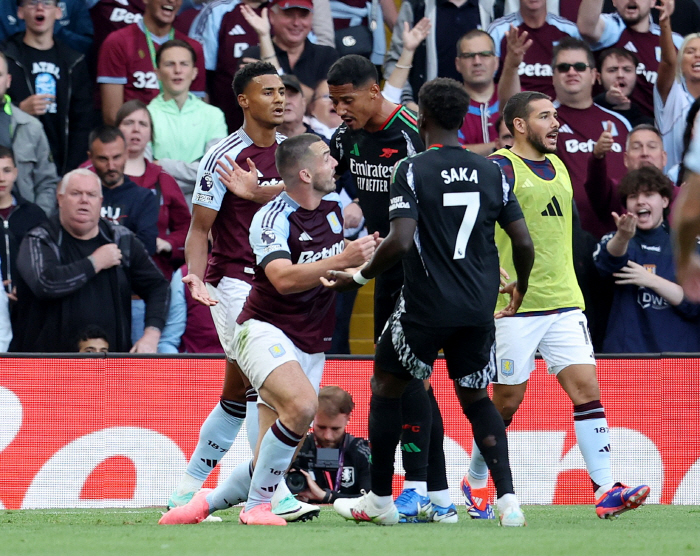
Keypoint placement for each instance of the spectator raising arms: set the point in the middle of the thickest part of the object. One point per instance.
(677, 86)
(650, 313)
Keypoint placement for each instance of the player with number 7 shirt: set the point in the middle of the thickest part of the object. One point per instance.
(444, 206)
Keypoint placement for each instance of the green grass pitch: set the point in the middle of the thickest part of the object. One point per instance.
(551, 530)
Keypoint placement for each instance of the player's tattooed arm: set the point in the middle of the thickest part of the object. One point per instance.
(244, 184)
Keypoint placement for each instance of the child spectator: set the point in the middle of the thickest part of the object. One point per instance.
(649, 313)
(17, 217)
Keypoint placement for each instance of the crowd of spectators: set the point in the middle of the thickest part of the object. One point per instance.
(134, 92)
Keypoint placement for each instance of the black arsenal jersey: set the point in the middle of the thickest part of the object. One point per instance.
(451, 275)
(371, 157)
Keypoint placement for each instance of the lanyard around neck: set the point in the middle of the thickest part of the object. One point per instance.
(152, 49)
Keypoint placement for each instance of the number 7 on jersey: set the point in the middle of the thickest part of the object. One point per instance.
(472, 201)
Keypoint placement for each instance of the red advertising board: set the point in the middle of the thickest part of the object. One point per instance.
(104, 432)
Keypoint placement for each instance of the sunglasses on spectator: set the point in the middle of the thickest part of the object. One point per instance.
(578, 66)
(471, 55)
(35, 3)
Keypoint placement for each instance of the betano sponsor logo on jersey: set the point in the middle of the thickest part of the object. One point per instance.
(266, 182)
(574, 146)
(649, 75)
(120, 14)
(371, 177)
(535, 70)
(313, 256)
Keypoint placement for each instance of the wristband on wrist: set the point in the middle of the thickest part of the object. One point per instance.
(359, 278)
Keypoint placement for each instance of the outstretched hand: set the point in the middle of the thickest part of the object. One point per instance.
(517, 44)
(634, 274)
(665, 9)
(626, 225)
(339, 281)
(236, 179)
(198, 290)
(516, 300)
(413, 37)
(259, 23)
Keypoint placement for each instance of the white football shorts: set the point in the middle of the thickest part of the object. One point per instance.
(262, 347)
(231, 294)
(562, 339)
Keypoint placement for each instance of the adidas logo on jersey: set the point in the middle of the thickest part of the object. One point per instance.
(237, 30)
(305, 237)
(527, 183)
(566, 129)
(629, 46)
(553, 208)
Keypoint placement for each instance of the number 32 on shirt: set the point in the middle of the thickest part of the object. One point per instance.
(145, 80)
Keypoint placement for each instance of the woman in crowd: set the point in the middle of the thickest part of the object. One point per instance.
(134, 121)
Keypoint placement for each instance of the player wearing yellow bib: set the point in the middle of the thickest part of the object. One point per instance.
(551, 317)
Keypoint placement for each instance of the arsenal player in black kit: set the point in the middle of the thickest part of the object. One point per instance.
(374, 136)
(444, 206)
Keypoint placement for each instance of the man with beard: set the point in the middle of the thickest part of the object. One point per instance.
(285, 324)
(582, 122)
(123, 201)
(224, 283)
(618, 76)
(631, 28)
(551, 317)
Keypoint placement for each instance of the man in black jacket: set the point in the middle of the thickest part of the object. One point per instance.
(334, 463)
(50, 81)
(77, 269)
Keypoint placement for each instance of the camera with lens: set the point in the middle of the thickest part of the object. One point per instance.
(324, 458)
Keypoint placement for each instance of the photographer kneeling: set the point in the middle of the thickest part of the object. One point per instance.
(331, 463)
